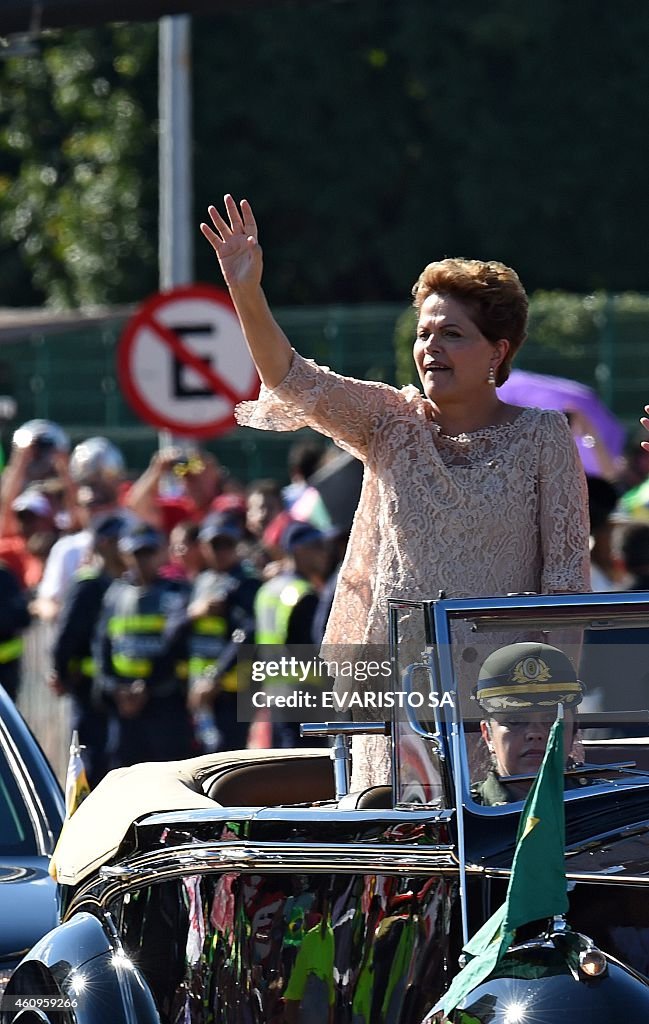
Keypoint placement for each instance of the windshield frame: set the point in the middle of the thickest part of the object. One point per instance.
(627, 609)
(21, 790)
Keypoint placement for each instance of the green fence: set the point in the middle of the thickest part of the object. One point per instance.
(70, 377)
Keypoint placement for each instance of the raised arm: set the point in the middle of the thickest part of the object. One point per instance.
(240, 258)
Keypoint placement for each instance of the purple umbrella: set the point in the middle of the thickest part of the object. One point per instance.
(545, 392)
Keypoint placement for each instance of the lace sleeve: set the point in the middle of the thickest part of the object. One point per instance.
(564, 522)
(347, 410)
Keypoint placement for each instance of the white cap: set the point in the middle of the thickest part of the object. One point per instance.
(32, 500)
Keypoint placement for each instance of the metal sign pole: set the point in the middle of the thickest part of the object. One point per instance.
(175, 249)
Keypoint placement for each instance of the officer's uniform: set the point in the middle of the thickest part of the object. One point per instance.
(518, 678)
(14, 618)
(139, 648)
(75, 667)
(215, 643)
(284, 610)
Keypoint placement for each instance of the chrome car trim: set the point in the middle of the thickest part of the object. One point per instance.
(457, 743)
(413, 721)
(273, 857)
(595, 877)
(345, 729)
(31, 799)
(579, 769)
(612, 835)
(292, 814)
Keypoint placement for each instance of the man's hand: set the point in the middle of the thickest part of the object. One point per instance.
(206, 606)
(203, 692)
(131, 698)
(55, 684)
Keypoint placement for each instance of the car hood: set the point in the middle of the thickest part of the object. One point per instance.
(624, 856)
(28, 906)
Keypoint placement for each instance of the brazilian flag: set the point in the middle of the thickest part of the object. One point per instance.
(537, 886)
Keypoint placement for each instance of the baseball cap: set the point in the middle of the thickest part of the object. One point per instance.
(235, 504)
(108, 527)
(219, 525)
(299, 534)
(32, 501)
(140, 538)
(527, 676)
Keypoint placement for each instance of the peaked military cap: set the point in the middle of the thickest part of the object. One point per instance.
(527, 675)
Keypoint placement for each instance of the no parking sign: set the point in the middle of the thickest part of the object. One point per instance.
(183, 363)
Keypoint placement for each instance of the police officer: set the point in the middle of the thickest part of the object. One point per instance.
(285, 607)
(519, 688)
(142, 663)
(73, 668)
(222, 612)
(14, 618)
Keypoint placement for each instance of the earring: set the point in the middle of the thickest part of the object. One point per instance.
(491, 379)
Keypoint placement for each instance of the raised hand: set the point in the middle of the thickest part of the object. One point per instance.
(235, 243)
(645, 423)
(239, 253)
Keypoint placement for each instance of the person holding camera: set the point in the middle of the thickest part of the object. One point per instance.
(39, 458)
(177, 485)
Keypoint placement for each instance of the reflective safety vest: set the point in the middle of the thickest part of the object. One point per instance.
(136, 642)
(136, 625)
(11, 650)
(82, 666)
(208, 638)
(274, 603)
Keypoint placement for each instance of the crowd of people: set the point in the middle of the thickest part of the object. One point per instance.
(152, 585)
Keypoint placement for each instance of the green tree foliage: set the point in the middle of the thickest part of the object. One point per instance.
(374, 137)
(593, 338)
(78, 169)
(371, 137)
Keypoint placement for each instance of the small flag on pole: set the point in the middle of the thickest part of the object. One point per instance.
(76, 790)
(76, 782)
(537, 885)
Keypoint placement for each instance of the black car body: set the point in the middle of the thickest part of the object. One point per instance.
(31, 814)
(241, 888)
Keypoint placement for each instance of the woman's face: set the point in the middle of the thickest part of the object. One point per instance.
(518, 745)
(452, 356)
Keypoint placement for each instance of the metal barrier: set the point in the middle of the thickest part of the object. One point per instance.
(47, 715)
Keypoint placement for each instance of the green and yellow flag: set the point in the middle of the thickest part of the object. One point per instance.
(76, 791)
(537, 886)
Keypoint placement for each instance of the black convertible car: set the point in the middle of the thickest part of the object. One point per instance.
(31, 814)
(252, 887)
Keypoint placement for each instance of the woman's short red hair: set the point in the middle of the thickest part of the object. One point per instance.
(492, 294)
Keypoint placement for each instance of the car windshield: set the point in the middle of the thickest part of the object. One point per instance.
(498, 670)
(17, 836)
(509, 678)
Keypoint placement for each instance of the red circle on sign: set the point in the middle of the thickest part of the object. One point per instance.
(146, 326)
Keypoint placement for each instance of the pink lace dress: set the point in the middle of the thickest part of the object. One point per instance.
(500, 510)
